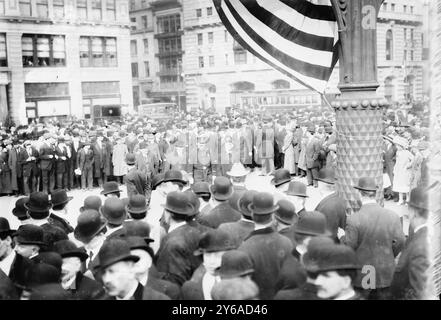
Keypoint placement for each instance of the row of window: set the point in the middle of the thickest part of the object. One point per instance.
(50, 51)
(210, 36)
(42, 9)
(209, 11)
(133, 6)
(144, 23)
(134, 47)
(408, 51)
(392, 7)
(240, 57)
(169, 23)
(135, 71)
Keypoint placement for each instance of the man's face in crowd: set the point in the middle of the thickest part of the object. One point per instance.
(212, 261)
(330, 284)
(5, 245)
(26, 250)
(69, 268)
(118, 278)
(144, 263)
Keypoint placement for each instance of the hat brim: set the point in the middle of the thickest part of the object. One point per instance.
(86, 238)
(139, 211)
(365, 189)
(114, 260)
(33, 209)
(130, 163)
(110, 191)
(221, 197)
(273, 209)
(327, 233)
(231, 275)
(63, 202)
(78, 254)
(283, 220)
(328, 181)
(174, 180)
(279, 183)
(20, 214)
(188, 213)
(296, 194)
(6, 233)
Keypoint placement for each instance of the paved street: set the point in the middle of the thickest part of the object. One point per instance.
(253, 182)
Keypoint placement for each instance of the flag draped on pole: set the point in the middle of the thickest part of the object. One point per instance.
(297, 37)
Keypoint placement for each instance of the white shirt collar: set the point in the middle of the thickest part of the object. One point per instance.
(6, 263)
(144, 279)
(346, 296)
(261, 226)
(112, 230)
(130, 293)
(208, 281)
(68, 284)
(175, 226)
(419, 227)
(371, 201)
(39, 222)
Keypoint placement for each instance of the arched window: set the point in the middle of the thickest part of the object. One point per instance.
(280, 84)
(243, 86)
(389, 45)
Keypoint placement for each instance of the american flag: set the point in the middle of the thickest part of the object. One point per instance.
(297, 37)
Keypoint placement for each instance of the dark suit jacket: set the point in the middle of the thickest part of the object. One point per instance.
(334, 209)
(8, 290)
(28, 166)
(136, 183)
(239, 229)
(46, 163)
(18, 271)
(268, 251)
(87, 289)
(101, 158)
(61, 165)
(85, 161)
(292, 274)
(289, 233)
(238, 192)
(192, 289)
(143, 293)
(175, 256)
(60, 222)
(220, 214)
(410, 277)
(168, 288)
(377, 237)
(313, 148)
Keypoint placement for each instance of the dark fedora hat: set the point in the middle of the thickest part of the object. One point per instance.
(311, 257)
(59, 197)
(222, 189)
(41, 273)
(114, 211)
(201, 188)
(19, 210)
(136, 242)
(215, 240)
(113, 251)
(50, 291)
(110, 187)
(326, 175)
(5, 229)
(312, 223)
(174, 176)
(178, 203)
(419, 198)
(263, 203)
(286, 211)
(89, 224)
(91, 202)
(130, 159)
(38, 202)
(137, 206)
(235, 263)
(244, 201)
(281, 176)
(67, 249)
(30, 234)
(366, 184)
(138, 228)
(297, 188)
(52, 258)
(333, 257)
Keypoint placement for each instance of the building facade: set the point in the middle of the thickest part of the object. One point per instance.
(157, 51)
(61, 57)
(219, 73)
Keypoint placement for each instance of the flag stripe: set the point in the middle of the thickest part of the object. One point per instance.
(248, 43)
(296, 20)
(308, 69)
(310, 10)
(288, 32)
(300, 53)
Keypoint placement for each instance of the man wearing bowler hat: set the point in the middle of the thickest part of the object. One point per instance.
(236, 264)
(60, 200)
(285, 219)
(20, 211)
(114, 211)
(331, 205)
(111, 189)
(238, 175)
(61, 159)
(410, 279)
(72, 279)
(377, 237)
(85, 161)
(12, 264)
(28, 158)
(212, 246)
(29, 241)
(175, 255)
(136, 181)
(242, 228)
(202, 190)
(117, 266)
(90, 230)
(281, 181)
(145, 270)
(267, 248)
(296, 193)
(222, 212)
(91, 202)
(46, 159)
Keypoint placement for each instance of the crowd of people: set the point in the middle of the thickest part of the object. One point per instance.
(191, 229)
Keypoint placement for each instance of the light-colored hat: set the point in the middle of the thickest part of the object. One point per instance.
(238, 170)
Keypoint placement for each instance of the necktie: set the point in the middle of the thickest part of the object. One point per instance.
(90, 258)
